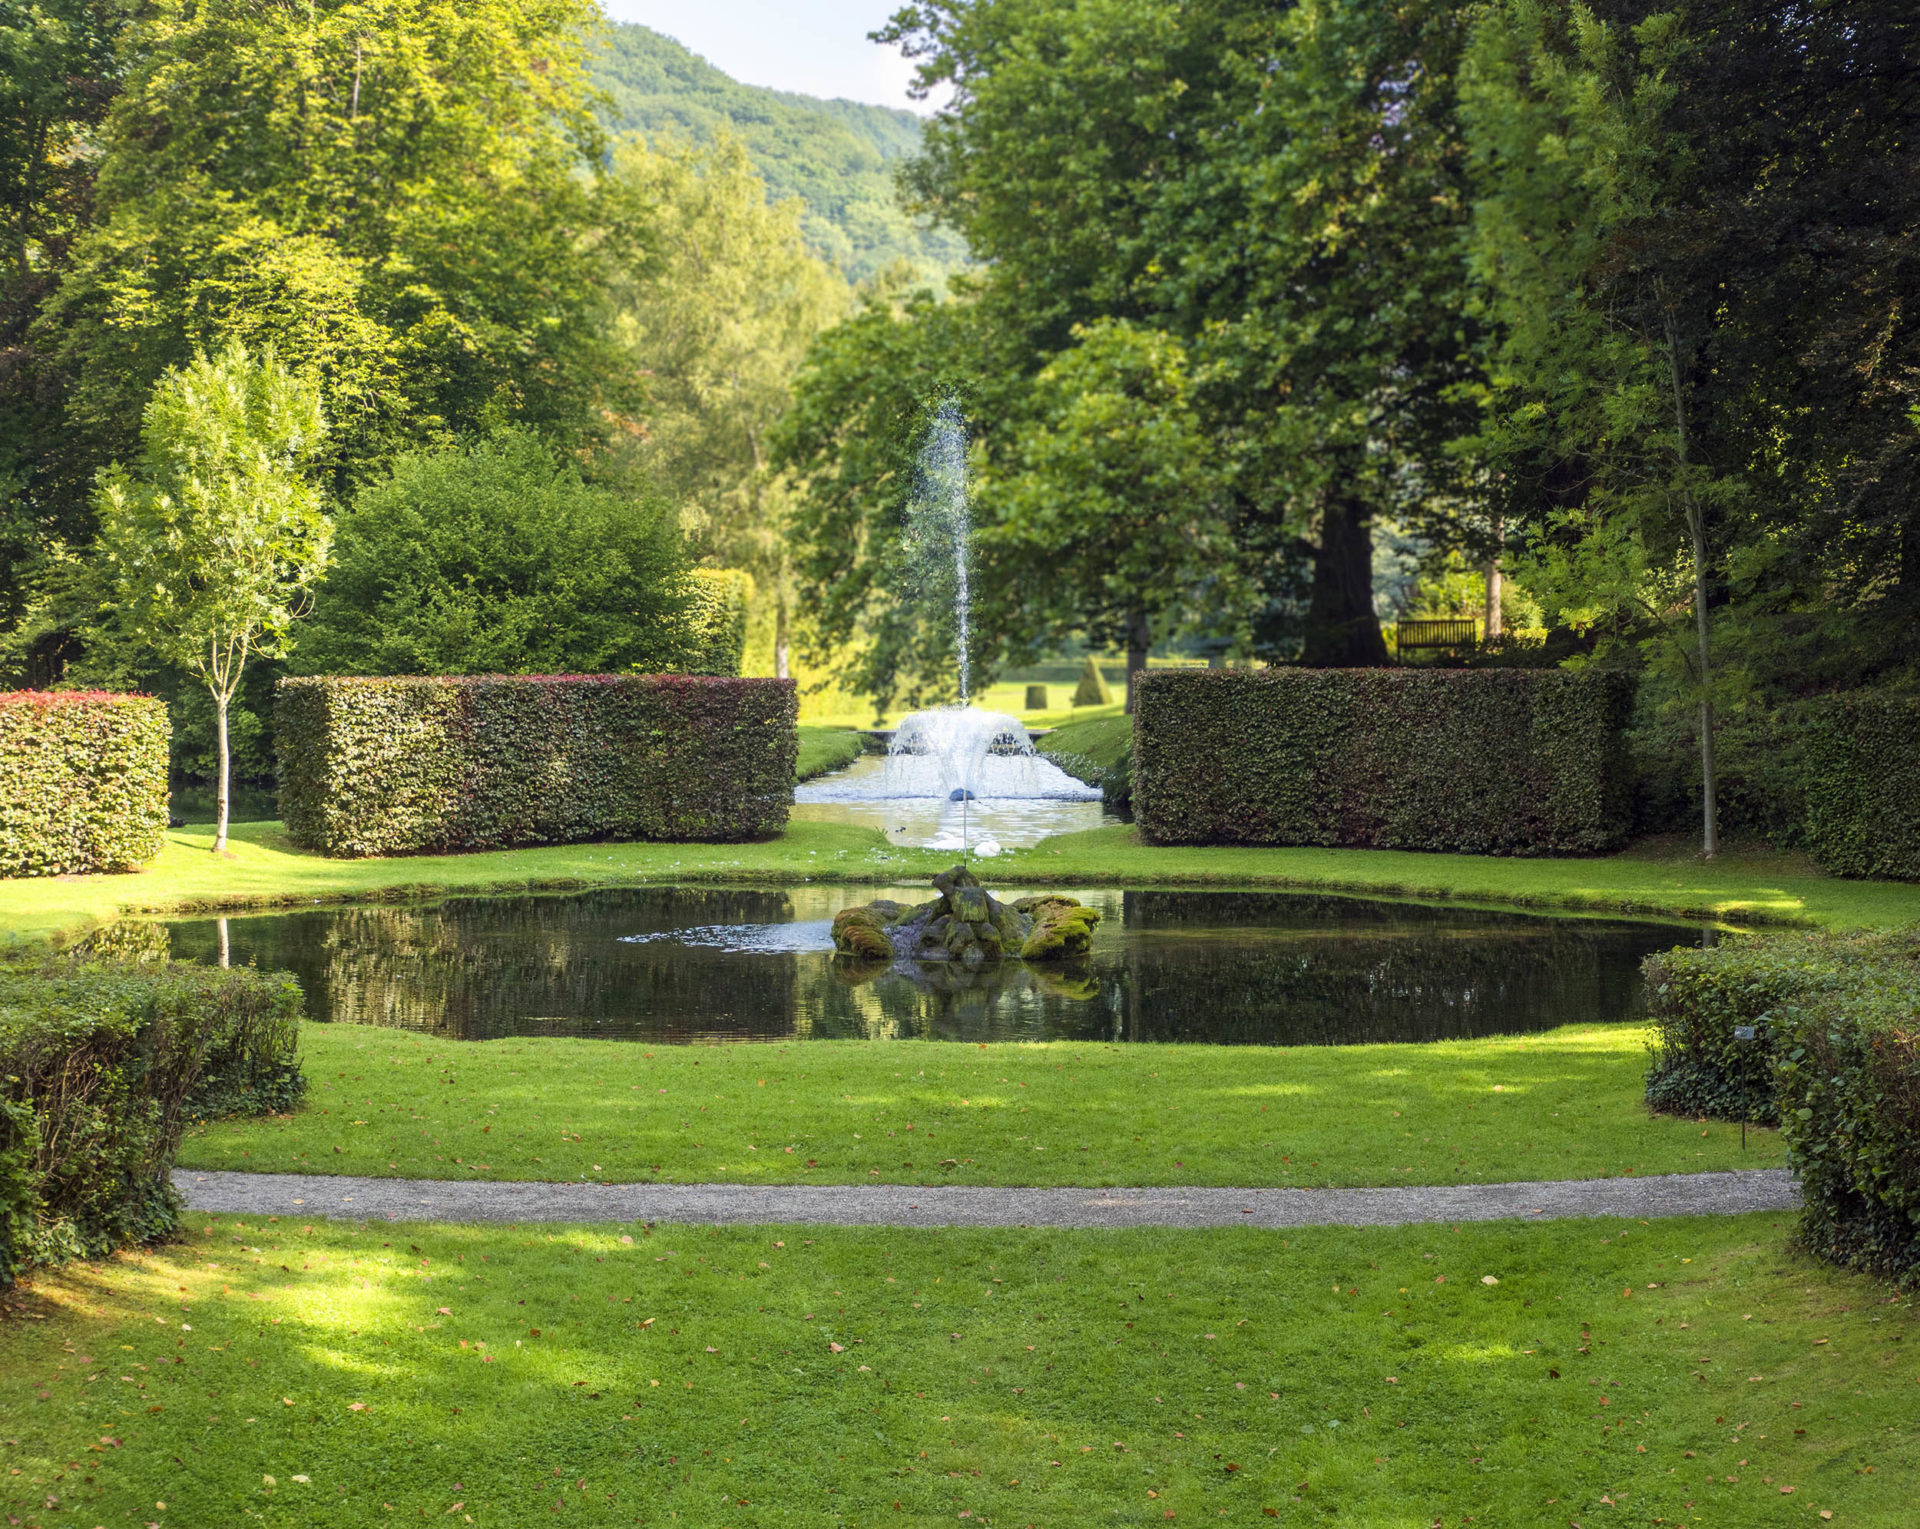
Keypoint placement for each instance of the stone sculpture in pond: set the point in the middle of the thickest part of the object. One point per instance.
(968, 924)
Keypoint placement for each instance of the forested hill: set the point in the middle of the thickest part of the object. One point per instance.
(836, 156)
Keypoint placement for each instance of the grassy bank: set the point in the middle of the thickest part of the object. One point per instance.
(290, 1373)
(263, 869)
(823, 749)
(1565, 1104)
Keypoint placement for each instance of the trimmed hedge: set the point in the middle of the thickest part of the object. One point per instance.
(1849, 1089)
(1504, 762)
(83, 782)
(102, 1065)
(395, 766)
(716, 621)
(1863, 785)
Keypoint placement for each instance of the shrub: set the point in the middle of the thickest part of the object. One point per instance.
(1093, 689)
(101, 1067)
(1849, 1089)
(716, 621)
(394, 766)
(83, 782)
(1486, 762)
(1036, 698)
(1863, 785)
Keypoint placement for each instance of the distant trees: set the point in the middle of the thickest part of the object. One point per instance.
(215, 539)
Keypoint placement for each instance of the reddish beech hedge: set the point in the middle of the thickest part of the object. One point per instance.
(1490, 762)
(394, 766)
(83, 781)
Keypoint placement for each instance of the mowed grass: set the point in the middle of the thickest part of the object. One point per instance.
(1560, 1105)
(297, 1373)
(826, 748)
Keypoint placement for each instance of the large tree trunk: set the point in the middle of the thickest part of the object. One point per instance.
(1496, 623)
(1342, 630)
(220, 787)
(1139, 644)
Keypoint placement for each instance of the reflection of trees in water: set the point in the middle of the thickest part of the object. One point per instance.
(1168, 966)
(1331, 969)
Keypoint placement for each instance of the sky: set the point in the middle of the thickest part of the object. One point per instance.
(816, 47)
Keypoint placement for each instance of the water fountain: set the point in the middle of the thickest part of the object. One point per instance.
(976, 770)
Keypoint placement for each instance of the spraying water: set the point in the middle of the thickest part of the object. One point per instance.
(940, 525)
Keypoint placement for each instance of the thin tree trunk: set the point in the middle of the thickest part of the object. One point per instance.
(226, 944)
(1139, 644)
(781, 636)
(220, 789)
(1697, 529)
(1496, 623)
(1343, 632)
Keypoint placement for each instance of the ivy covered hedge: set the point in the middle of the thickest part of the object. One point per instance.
(1862, 783)
(102, 1065)
(397, 766)
(1506, 762)
(83, 782)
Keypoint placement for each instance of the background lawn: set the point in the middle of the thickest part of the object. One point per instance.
(263, 870)
(823, 749)
(1563, 1104)
(299, 1373)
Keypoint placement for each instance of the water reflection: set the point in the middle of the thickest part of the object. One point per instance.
(666, 964)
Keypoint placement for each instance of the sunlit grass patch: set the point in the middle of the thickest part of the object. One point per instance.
(293, 1372)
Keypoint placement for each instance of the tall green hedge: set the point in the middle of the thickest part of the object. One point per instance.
(1508, 762)
(1862, 785)
(83, 782)
(395, 766)
(716, 621)
(102, 1064)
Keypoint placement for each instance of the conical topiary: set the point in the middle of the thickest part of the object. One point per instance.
(1093, 689)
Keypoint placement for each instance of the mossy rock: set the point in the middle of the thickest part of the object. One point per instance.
(862, 933)
(1061, 931)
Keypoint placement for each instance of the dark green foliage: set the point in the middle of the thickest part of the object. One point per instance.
(1849, 1089)
(838, 157)
(83, 782)
(1093, 689)
(1487, 762)
(498, 559)
(716, 621)
(1863, 786)
(1036, 698)
(102, 1064)
(393, 766)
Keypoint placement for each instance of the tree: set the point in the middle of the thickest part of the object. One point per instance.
(497, 558)
(718, 317)
(215, 541)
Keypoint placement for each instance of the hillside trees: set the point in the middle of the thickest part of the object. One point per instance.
(717, 317)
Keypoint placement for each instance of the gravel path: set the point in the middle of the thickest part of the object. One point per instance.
(1679, 1194)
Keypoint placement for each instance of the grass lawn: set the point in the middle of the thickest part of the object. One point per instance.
(286, 1373)
(263, 869)
(826, 748)
(1104, 741)
(1564, 1104)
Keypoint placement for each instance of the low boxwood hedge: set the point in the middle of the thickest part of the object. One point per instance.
(397, 766)
(1862, 784)
(83, 782)
(102, 1065)
(1515, 762)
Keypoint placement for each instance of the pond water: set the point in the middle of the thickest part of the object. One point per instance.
(1039, 800)
(666, 964)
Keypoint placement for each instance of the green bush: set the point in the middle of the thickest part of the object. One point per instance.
(716, 621)
(1093, 689)
(395, 766)
(1849, 1089)
(1863, 785)
(1503, 762)
(83, 782)
(102, 1064)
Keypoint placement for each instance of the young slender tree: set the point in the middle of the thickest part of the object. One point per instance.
(215, 539)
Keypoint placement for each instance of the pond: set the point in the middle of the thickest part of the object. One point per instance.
(667, 964)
